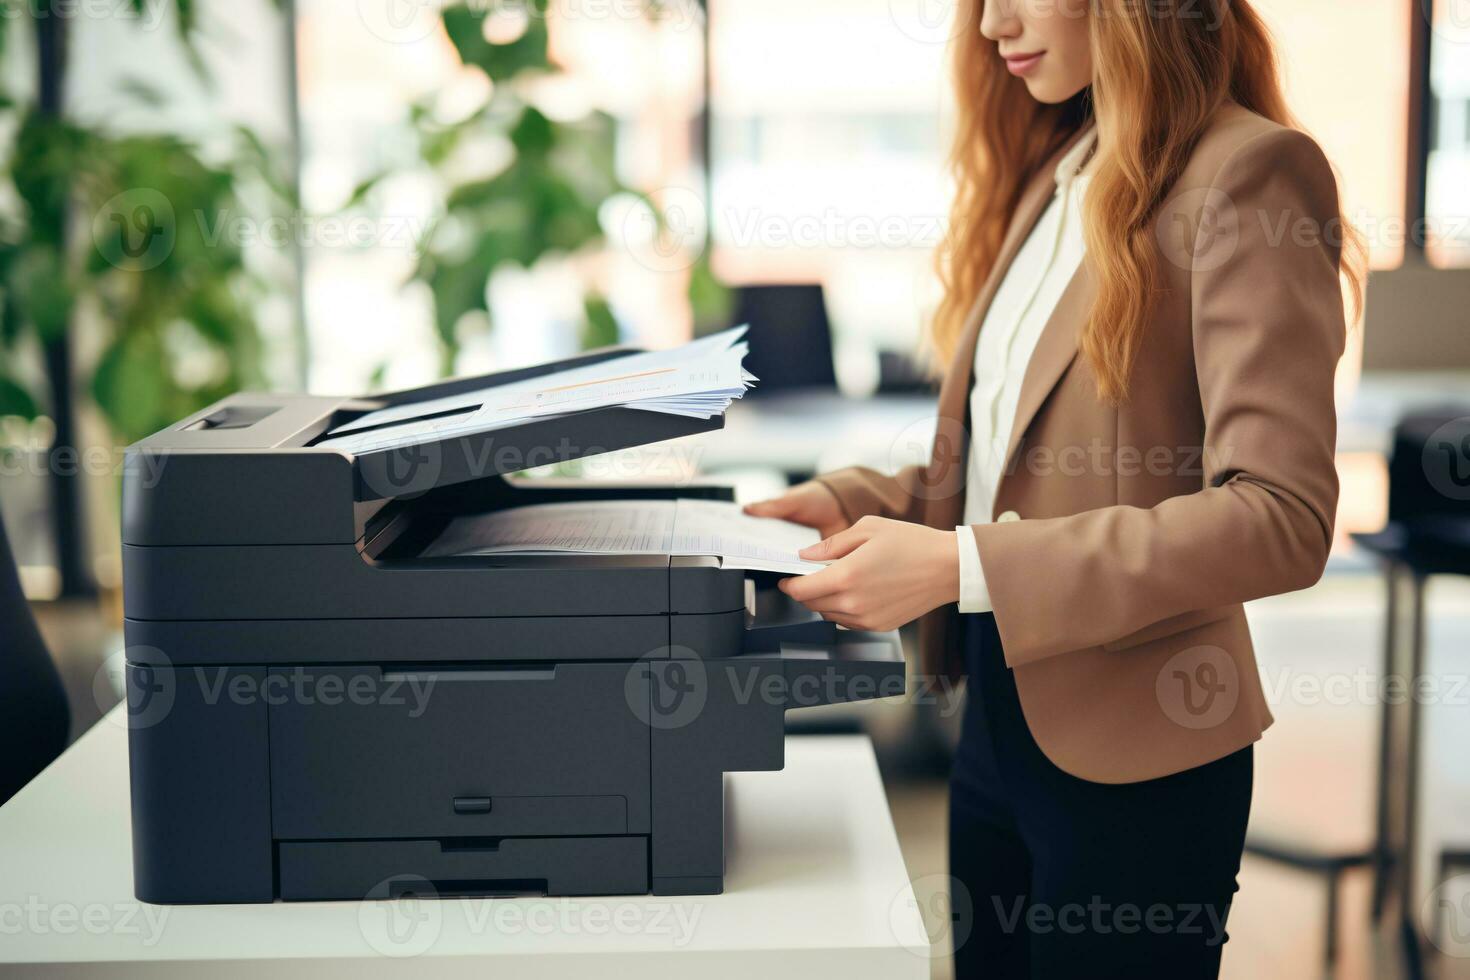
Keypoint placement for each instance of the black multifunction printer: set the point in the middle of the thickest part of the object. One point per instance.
(317, 712)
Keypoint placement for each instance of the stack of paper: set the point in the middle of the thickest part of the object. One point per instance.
(699, 380)
(634, 527)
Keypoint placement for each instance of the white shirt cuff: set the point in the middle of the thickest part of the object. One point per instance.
(974, 596)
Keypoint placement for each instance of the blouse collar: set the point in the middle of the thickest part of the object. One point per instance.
(1073, 161)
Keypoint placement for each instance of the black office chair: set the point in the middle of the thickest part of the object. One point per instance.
(790, 337)
(34, 716)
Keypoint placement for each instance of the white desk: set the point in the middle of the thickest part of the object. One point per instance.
(816, 887)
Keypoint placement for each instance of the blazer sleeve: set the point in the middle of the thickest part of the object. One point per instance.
(863, 492)
(1268, 330)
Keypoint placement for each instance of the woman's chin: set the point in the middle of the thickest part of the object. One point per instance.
(1049, 91)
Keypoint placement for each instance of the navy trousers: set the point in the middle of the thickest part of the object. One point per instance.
(1055, 876)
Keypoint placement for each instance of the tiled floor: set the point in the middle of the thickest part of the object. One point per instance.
(1319, 651)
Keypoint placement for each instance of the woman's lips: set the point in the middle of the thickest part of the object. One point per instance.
(1021, 64)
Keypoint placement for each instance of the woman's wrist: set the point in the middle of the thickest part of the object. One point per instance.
(947, 568)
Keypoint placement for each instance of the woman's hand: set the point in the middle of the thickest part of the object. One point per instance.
(811, 503)
(883, 574)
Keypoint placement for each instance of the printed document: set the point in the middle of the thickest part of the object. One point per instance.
(634, 527)
(699, 380)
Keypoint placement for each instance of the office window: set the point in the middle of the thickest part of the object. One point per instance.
(1448, 205)
(357, 79)
(795, 99)
(361, 69)
(1345, 66)
(799, 92)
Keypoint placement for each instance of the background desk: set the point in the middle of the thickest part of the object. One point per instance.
(802, 433)
(811, 432)
(816, 887)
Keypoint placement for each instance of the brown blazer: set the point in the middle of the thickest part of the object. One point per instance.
(1127, 537)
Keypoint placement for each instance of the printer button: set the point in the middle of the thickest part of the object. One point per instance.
(472, 804)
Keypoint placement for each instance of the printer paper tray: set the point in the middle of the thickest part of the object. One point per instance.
(821, 663)
(383, 869)
(405, 754)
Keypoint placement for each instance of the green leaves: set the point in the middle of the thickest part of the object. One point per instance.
(143, 231)
(465, 26)
(39, 290)
(126, 384)
(533, 136)
(601, 329)
(15, 400)
(546, 200)
(711, 301)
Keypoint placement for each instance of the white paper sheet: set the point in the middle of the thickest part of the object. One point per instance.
(634, 527)
(699, 379)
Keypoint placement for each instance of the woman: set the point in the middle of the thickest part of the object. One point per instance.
(1143, 313)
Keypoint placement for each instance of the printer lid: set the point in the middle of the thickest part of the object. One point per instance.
(284, 427)
(424, 464)
(445, 443)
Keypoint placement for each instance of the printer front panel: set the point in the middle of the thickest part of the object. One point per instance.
(544, 750)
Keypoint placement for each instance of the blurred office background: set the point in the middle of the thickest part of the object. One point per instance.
(345, 196)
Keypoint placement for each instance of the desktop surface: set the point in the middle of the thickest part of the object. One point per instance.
(815, 885)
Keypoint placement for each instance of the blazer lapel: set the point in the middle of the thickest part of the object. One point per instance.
(954, 392)
(1056, 348)
(1028, 211)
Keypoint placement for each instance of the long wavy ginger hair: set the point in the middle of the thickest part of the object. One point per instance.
(1161, 70)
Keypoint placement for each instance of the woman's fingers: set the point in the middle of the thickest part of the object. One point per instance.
(779, 507)
(827, 530)
(840, 544)
(806, 589)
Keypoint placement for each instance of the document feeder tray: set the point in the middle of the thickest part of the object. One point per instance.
(316, 712)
